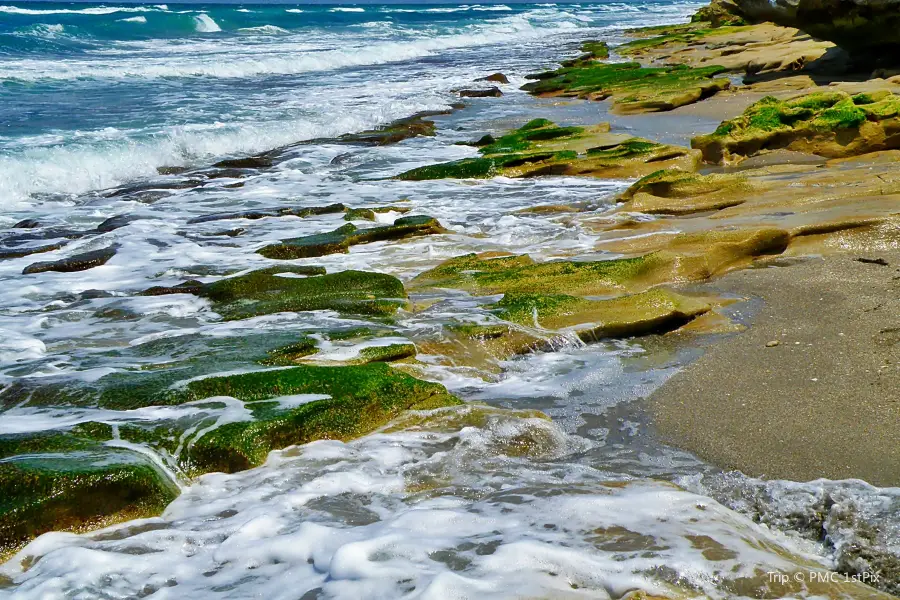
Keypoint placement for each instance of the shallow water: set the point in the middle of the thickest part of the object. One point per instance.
(468, 502)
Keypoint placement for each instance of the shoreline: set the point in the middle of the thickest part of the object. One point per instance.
(810, 389)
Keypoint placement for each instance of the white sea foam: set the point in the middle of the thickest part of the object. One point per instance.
(347, 9)
(499, 519)
(100, 10)
(205, 24)
(138, 19)
(43, 30)
(265, 30)
(294, 10)
(77, 168)
(274, 62)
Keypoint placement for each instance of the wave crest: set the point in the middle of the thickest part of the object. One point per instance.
(203, 23)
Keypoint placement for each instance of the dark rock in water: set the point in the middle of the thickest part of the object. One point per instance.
(171, 170)
(368, 213)
(231, 232)
(342, 238)
(302, 212)
(23, 252)
(867, 29)
(116, 222)
(492, 92)
(267, 291)
(232, 186)
(78, 262)
(541, 76)
(154, 188)
(260, 161)
(67, 492)
(392, 133)
(191, 286)
(94, 294)
(485, 140)
(27, 224)
(225, 174)
(495, 78)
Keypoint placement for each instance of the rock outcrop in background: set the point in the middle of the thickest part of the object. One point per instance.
(867, 29)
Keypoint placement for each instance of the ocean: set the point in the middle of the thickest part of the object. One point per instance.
(113, 109)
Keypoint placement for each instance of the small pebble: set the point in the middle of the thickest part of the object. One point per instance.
(772, 344)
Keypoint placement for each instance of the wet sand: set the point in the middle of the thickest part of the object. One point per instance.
(824, 402)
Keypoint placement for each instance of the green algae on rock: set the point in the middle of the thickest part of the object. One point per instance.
(541, 147)
(342, 238)
(396, 131)
(363, 398)
(832, 124)
(720, 13)
(591, 50)
(76, 491)
(654, 311)
(674, 192)
(389, 353)
(263, 292)
(288, 355)
(659, 37)
(632, 87)
(368, 213)
(487, 274)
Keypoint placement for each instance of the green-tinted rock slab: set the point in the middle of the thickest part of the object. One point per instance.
(363, 398)
(342, 238)
(632, 87)
(264, 292)
(653, 311)
(76, 491)
(832, 124)
(483, 275)
(541, 147)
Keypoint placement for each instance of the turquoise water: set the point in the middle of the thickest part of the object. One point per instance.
(92, 96)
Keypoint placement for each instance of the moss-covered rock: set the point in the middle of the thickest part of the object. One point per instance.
(389, 353)
(488, 274)
(368, 213)
(290, 211)
(697, 32)
(632, 87)
(831, 124)
(654, 311)
(81, 437)
(342, 238)
(541, 147)
(674, 192)
(720, 13)
(290, 354)
(77, 262)
(481, 347)
(76, 491)
(591, 50)
(363, 398)
(265, 292)
(396, 131)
